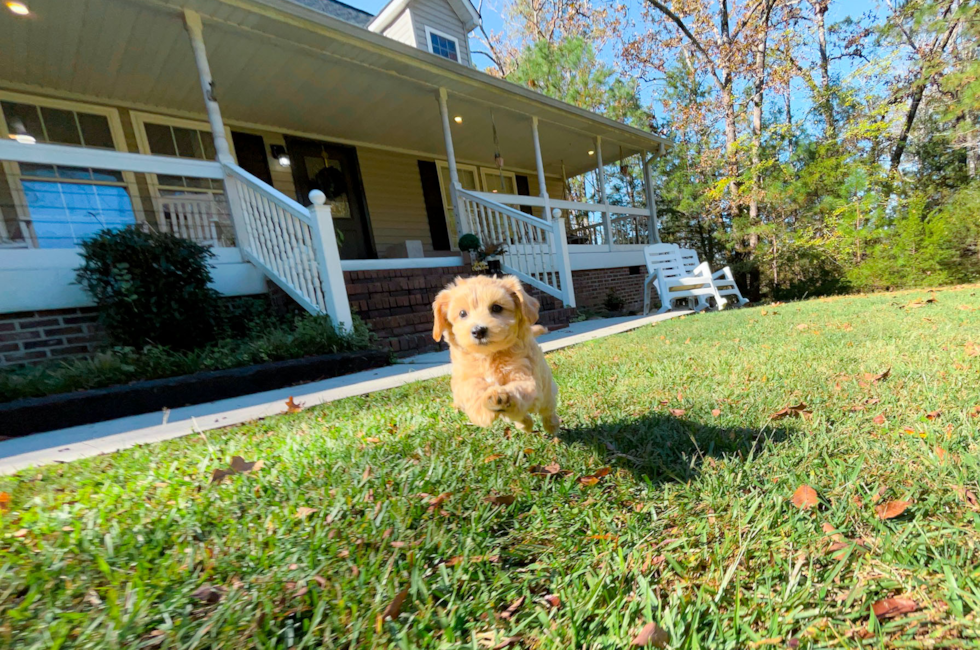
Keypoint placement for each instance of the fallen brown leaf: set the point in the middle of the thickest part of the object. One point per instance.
(219, 475)
(545, 470)
(437, 501)
(969, 497)
(4, 502)
(677, 412)
(716, 412)
(891, 509)
(553, 601)
(21, 533)
(208, 594)
(805, 497)
(501, 499)
(604, 471)
(892, 607)
(879, 377)
(932, 415)
(303, 512)
(509, 642)
(652, 635)
(292, 406)
(239, 465)
(588, 481)
(492, 457)
(394, 608)
(879, 419)
(799, 411)
(372, 440)
(514, 606)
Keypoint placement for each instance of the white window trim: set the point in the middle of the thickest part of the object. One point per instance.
(485, 171)
(12, 169)
(428, 42)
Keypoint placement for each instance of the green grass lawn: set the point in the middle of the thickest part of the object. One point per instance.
(394, 497)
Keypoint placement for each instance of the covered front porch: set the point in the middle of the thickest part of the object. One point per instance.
(298, 146)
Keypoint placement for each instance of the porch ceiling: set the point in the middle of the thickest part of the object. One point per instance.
(282, 66)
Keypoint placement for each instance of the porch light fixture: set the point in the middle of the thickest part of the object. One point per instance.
(458, 119)
(18, 8)
(20, 134)
(279, 153)
(591, 152)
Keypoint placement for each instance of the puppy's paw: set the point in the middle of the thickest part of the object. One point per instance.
(497, 399)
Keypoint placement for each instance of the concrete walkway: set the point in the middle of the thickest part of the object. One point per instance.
(113, 435)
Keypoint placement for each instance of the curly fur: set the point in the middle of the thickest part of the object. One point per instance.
(502, 374)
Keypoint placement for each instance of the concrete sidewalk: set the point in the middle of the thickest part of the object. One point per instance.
(105, 437)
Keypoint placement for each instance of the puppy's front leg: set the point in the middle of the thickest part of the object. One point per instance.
(513, 399)
(470, 398)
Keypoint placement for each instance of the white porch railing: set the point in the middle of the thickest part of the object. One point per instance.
(628, 226)
(199, 218)
(294, 245)
(535, 249)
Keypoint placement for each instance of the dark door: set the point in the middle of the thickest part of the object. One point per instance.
(251, 155)
(333, 170)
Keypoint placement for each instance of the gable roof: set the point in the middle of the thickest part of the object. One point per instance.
(339, 10)
(464, 9)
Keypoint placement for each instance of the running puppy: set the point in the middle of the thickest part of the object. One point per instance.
(498, 367)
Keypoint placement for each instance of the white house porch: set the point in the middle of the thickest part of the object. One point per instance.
(146, 153)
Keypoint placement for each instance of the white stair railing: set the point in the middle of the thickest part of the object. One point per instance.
(535, 249)
(295, 246)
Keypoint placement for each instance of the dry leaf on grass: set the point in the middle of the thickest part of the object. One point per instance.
(238, 464)
(394, 608)
(805, 497)
(545, 470)
(553, 601)
(492, 457)
(512, 609)
(437, 501)
(219, 475)
(21, 533)
(879, 377)
(208, 594)
(292, 406)
(969, 497)
(593, 478)
(509, 642)
(891, 509)
(303, 512)
(892, 607)
(879, 419)
(501, 499)
(677, 412)
(4, 502)
(716, 412)
(798, 410)
(932, 415)
(652, 635)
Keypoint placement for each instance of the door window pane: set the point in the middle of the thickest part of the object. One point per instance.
(95, 130)
(496, 183)
(188, 145)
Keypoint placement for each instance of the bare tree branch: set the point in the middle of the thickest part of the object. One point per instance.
(687, 32)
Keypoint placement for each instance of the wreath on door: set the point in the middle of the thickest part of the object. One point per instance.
(331, 182)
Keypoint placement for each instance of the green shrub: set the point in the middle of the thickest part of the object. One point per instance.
(151, 288)
(304, 336)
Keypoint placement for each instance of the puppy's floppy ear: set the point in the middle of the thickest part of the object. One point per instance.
(440, 312)
(528, 305)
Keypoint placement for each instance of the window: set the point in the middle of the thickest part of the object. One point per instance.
(58, 206)
(442, 44)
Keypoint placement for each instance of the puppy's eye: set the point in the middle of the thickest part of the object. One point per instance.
(462, 314)
(496, 309)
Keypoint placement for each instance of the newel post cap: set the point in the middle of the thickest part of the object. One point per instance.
(317, 197)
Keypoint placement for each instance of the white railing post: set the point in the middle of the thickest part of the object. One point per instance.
(236, 209)
(328, 259)
(651, 200)
(606, 222)
(539, 164)
(564, 263)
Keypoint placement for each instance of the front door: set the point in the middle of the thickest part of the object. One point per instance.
(333, 169)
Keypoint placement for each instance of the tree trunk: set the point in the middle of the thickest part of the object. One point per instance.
(820, 8)
(903, 139)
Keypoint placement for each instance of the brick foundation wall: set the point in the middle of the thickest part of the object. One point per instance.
(591, 287)
(397, 305)
(34, 336)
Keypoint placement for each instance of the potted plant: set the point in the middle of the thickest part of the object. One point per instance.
(491, 255)
(469, 245)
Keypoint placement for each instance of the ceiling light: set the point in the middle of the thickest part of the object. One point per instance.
(458, 119)
(18, 8)
(279, 153)
(23, 138)
(591, 152)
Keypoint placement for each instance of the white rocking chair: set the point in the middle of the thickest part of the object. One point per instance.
(723, 279)
(667, 273)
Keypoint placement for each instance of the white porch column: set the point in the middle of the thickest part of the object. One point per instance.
(538, 161)
(462, 227)
(331, 274)
(195, 29)
(651, 200)
(606, 222)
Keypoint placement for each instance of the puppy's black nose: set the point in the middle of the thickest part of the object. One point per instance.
(479, 332)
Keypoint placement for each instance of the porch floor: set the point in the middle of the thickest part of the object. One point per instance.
(65, 445)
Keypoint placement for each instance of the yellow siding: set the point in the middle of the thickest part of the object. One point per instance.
(395, 203)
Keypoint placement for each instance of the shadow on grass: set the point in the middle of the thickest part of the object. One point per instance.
(660, 447)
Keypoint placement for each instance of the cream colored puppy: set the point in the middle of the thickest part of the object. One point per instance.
(498, 368)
